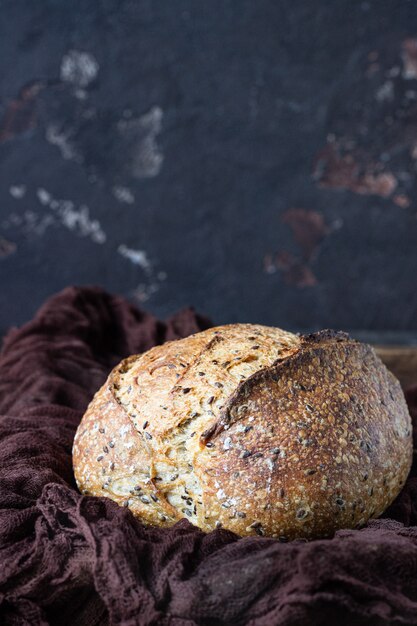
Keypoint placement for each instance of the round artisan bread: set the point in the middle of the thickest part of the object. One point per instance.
(250, 428)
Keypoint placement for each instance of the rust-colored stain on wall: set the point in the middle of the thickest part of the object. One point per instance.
(6, 247)
(374, 151)
(20, 114)
(308, 230)
(337, 168)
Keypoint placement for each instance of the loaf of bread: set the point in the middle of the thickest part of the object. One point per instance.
(249, 428)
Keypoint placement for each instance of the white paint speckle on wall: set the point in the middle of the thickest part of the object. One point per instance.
(29, 223)
(75, 218)
(78, 68)
(78, 220)
(44, 196)
(50, 212)
(62, 140)
(385, 93)
(137, 257)
(147, 157)
(17, 191)
(144, 292)
(123, 194)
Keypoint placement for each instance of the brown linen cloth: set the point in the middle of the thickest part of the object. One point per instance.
(67, 559)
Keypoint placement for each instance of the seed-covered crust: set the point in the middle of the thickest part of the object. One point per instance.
(250, 428)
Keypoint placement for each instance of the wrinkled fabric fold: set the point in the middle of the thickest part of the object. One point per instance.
(67, 559)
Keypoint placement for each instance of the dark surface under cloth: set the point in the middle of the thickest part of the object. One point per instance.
(68, 559)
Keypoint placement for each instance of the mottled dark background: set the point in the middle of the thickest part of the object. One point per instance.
(256, 159)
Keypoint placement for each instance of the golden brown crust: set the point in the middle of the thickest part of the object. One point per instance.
(251, 428)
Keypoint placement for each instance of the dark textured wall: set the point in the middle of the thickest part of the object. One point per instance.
(254, 159)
